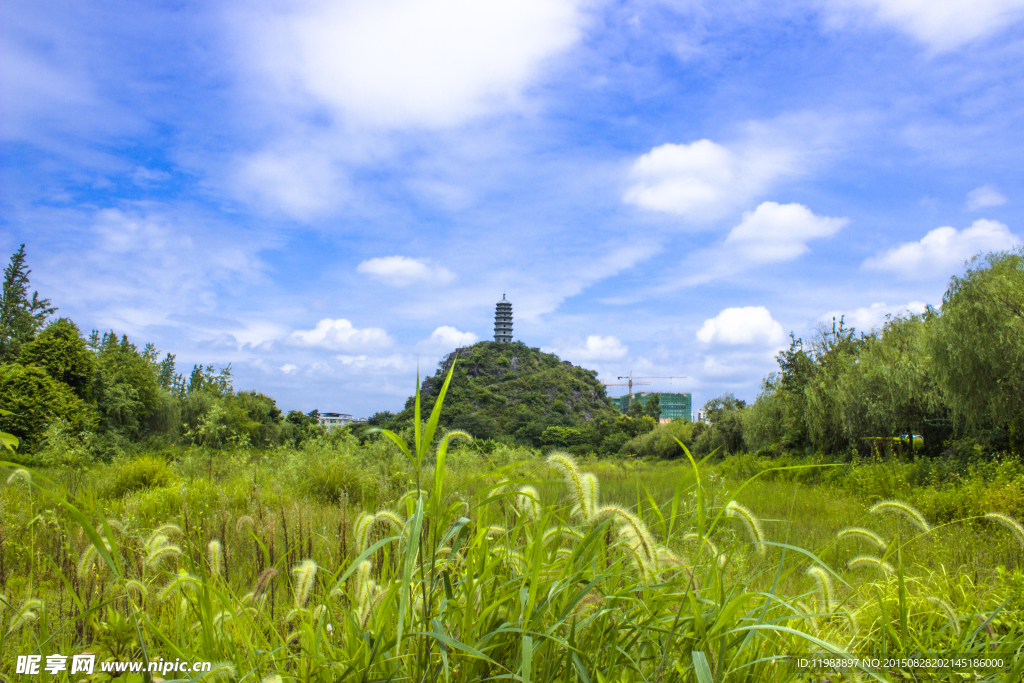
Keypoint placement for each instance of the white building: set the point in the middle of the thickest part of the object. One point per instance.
(330, 420)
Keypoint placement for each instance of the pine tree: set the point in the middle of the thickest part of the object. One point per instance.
(21, 318)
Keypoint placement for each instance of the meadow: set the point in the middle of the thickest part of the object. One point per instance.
(430, 561)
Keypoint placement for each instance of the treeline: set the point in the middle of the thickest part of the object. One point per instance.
(103, 393)
(951, 379)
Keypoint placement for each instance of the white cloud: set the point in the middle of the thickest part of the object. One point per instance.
(943, 250)
(984, 196)
(596, 348)
(298, 183)
(872, 317)
(447, 338)
(340, 335)
(704, 180)
(402, 271)
(779, 232)
(397, 63)
(941, 24)
(747, 325)
(288, 368)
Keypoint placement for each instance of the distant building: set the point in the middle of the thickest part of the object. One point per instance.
(503, 321)
(673, 406)
(330, 420)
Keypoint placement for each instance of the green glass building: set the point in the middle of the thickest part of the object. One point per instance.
(673, 406)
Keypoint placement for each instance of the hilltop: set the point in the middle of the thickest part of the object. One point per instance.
(511, 389)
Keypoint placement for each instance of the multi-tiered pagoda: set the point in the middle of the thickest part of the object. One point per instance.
(503, 321)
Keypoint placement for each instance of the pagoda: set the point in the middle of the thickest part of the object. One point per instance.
(503, 321)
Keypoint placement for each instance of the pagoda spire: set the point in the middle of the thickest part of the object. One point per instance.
(503, 320)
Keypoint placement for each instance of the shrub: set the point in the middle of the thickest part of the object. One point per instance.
(141, 473)
(332, 479)
(36, 401)
(661, 442)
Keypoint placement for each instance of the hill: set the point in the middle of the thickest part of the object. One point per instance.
(511, 389)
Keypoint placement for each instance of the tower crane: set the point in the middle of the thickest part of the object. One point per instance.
(630, 383)
(623, 384)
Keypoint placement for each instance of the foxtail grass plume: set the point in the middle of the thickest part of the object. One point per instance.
(364, 589)
(634, 543)
(709, 544)
(591, 491)
(555, 531)
(88, 558)
(182, 581)
(564, 463)
(220, 671)
(851, 618)
(751, 522)
(824, 582)
(168, 530)
(899, 507)
(242, 521)
(865, 534)
(305, 573)
(158, 550)
(647, 546)
(528, 502)
(263, 581)
(215, 555)
(132, 585)
(361, 531)
(392, 518)
(116, 525)
(411, 493)
(948, 609)
(26, 614)
(1008, 522)
(20, 474)
(870, 561)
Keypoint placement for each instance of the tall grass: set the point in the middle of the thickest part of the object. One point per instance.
(534, 571)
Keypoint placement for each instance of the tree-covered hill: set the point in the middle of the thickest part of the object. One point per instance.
(512, 389)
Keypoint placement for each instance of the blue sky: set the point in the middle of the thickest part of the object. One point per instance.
(328, 195)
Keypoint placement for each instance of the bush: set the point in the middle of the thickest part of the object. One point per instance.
(332, 479)
(36, 401)
(661, 442)
(141, 473)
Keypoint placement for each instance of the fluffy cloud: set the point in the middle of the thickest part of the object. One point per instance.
(747, 325)
(984, 196)
(941, 24)
(447, 338)
(704, 180)
(402, 271)
(943, 250)
(288, 368)
(340, 335)
(396, 63)
(596, 348)
(779, 232)
(874, 316)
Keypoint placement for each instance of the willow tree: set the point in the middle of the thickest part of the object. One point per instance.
(978, 345)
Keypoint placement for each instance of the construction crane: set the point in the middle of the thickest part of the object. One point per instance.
(623, 384)
(630, 383)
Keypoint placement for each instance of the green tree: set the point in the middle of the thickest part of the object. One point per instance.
(126, 388)
(61, 351)
(20, 317)
(725, 414)
(978, 345)
(652, 407)
(35, 401)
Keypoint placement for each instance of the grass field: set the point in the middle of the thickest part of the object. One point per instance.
(326, 564)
